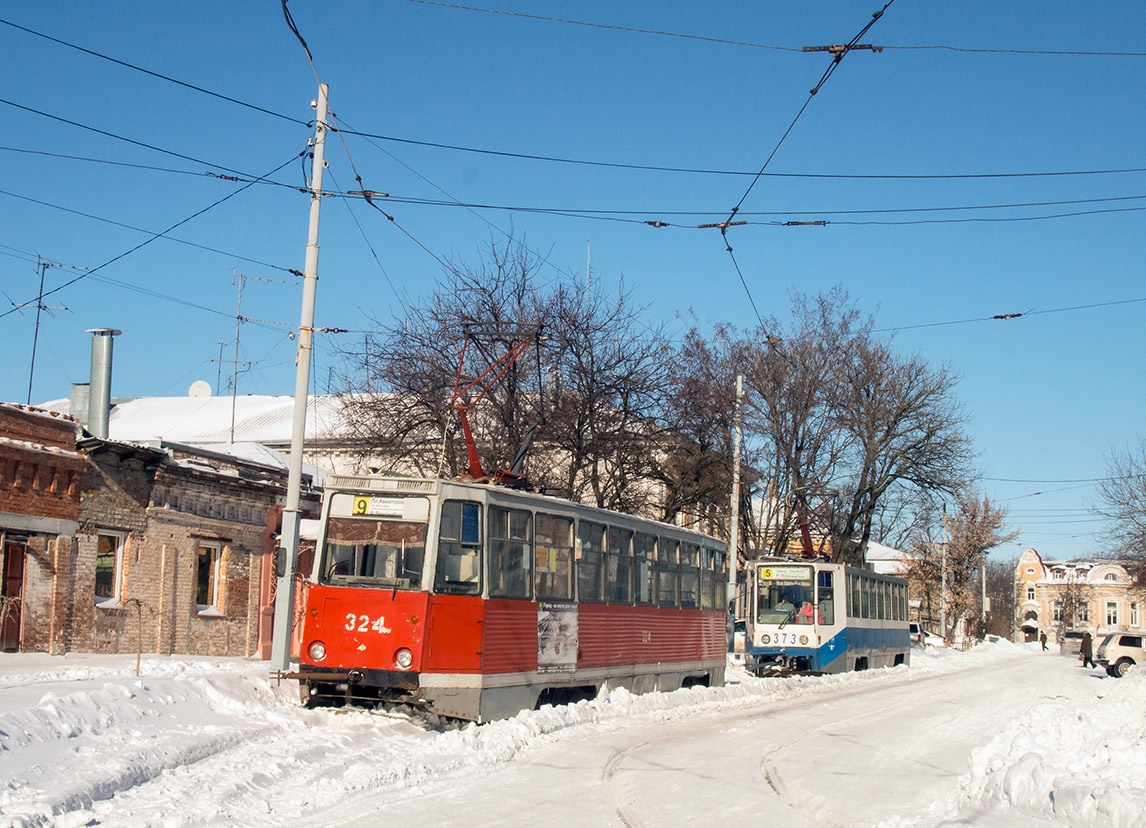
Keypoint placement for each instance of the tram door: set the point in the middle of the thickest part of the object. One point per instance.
(11, 591)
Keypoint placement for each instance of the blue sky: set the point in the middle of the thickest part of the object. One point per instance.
(1049, 393)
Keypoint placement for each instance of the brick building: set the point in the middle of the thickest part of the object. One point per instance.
(40, 474)
(112, 546)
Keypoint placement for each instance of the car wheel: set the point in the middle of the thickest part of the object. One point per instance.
(1122, 667)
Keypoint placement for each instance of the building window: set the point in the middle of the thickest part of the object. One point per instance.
(1030, 593)
(1110, 576)
(1059, 575)
(1082, 614)
(1134, 614)
(108, 567)
(1056, 613)
(207, 566)
(1112, 613)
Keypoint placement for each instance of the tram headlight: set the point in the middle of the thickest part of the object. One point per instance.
(803, 639)
(316, 651)
(765, 639)
(403, 659)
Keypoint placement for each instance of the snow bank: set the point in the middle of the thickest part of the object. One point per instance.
(1061, 762)
(91, 743)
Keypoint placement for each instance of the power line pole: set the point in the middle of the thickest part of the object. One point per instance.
(943, 581)
(43, 267)
(734, 531)
(287, 556)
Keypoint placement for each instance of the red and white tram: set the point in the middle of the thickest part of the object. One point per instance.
(478, 601)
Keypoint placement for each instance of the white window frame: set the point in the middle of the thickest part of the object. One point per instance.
(1112, 613)
(212, 608)
(1082, 614)
(1030, 593)
(1133, 613)
(1056, 611)
(120, 538)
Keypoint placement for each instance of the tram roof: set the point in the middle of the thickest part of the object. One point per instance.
(385, 484)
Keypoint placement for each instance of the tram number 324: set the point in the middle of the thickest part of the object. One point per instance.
(362, 623)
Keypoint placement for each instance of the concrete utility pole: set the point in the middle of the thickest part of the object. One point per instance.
(287, 556)
(734, 532)
(943, 581)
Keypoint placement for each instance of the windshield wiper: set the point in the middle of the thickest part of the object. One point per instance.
(787, 617)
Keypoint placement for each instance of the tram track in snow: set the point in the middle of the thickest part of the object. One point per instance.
(625, 802)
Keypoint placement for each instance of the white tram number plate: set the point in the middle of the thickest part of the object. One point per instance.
(783, 638)
(362, 623)
(383, 506)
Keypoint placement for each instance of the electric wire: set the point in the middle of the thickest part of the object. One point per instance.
(176, 239)
(815, 89)
(586, 162)
(1009, 316)
(120, 137)
(544, 259)
(158, 75)
(752, 45)
(370, 247)
(156, 236)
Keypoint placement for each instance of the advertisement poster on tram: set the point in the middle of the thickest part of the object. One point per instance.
(556, 638)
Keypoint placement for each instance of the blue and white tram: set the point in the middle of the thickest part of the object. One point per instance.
(819, 617)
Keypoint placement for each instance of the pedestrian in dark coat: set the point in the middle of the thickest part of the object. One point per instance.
(1086, 651)
(1043, 639)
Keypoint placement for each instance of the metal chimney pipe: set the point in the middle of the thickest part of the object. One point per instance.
(99, 402)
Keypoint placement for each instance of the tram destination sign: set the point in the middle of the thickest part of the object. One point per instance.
(378, 506)
(785, 572)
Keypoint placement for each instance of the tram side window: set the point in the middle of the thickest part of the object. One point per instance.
(853, 597)
(825, 601)
(707, 578)
(459, 549)
(645, 569)
(591, 562)
(620, 575)
(689, 574)
(510, 552)
(553, 558)
(865, 598)
(668, 580)
(720, 588)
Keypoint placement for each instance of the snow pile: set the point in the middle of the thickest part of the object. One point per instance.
(84, 741)
(1079, 766)
(1061, 762)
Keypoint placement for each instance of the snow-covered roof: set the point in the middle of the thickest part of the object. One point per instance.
(884, 560)
(198, 420)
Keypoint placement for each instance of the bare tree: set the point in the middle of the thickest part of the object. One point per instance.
(790, 408)
(593, 392)
(1122, 501)
(858, 437)
(605, 428)
(903, 428)
(401, 381)
(975, 528)
(1001, 593)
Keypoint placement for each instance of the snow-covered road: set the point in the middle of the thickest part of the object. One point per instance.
(1000, 736)
(858, 755)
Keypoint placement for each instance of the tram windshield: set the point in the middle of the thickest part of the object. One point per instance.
(385, 552)
(782, 591)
